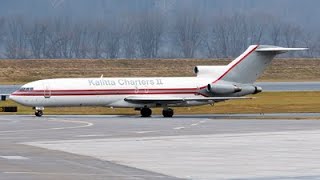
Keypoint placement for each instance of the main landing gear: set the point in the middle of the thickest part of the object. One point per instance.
(168, 112)
(146, 112)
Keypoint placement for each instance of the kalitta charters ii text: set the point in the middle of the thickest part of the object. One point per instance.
(124, 82)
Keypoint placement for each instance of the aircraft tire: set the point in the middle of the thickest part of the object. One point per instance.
(167, 112)
(145, 112)
(38, 113)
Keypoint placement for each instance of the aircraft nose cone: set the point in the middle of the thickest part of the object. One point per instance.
(11, 97)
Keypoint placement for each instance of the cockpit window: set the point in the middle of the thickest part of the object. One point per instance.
(26, 89)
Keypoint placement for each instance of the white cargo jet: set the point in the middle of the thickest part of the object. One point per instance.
(212, 84)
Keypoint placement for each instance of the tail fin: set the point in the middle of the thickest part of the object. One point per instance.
(248, 67)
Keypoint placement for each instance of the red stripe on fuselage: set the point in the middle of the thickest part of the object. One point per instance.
(109, 90)
(92, 92)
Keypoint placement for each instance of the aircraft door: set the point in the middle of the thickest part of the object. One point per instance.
(46, 91)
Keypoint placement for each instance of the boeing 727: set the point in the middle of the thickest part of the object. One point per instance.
(212, 84)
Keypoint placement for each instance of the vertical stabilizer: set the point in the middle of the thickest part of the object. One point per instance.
(249, 66)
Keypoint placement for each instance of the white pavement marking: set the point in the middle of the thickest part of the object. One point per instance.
(14, 157)
(224, 156)
(144, 132)
(178, 128)
(86, 124)
(203, 121)
(92, 135)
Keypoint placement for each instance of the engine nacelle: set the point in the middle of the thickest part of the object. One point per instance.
(223, 88)
(209, 71)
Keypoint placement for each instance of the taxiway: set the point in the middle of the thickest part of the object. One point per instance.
(184, 147)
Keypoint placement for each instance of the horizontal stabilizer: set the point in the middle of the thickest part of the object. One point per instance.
(277, 49)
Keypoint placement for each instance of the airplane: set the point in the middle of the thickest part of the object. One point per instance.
(212, 84)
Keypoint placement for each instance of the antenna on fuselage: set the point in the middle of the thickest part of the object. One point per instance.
(101, 76)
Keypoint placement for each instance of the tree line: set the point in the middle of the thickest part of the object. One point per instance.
(150, 34)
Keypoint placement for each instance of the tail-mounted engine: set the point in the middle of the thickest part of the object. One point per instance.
(209, 71)
(223, 88)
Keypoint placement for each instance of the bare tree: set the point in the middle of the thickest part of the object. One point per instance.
(66, 34)
(2, 33)
(188, 29)
(37, 39)
(16, 42)
(223, 39)
(256, 28)
(312, 42)
(216, 40)
(149, 31)
(129, 38)
(229, 35)
(97, 35)
(111, 41)
(59, 39)
(238, 32)
(291, 33)
(149, 34)
(79, 46)
(275, 31)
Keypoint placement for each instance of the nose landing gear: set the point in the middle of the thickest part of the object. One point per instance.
(39, 111)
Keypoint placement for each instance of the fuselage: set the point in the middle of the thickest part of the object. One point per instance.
(107, 91)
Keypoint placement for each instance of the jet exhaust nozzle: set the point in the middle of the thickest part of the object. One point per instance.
(251, 89)
(257, 90)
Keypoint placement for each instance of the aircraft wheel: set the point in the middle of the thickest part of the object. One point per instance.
(146, 112)
(38, 113)
(167, 112)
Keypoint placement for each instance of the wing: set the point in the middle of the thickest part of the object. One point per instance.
(174, 100)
